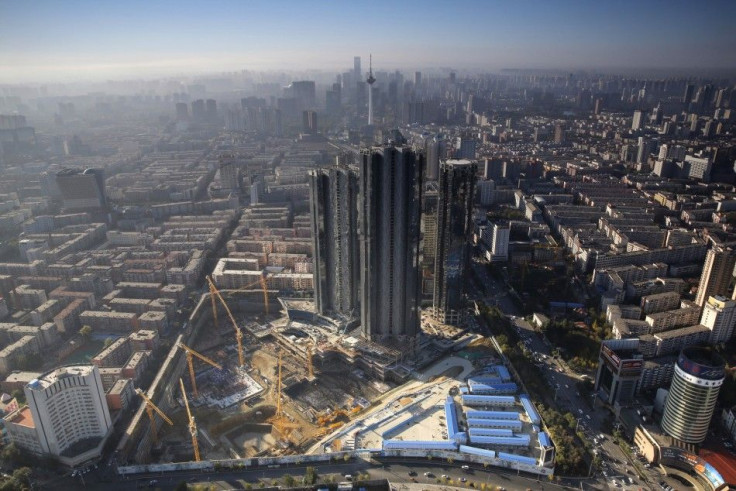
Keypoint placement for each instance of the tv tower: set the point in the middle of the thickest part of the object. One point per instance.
(371, 80)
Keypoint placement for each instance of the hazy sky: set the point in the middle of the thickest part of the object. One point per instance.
(79, 39)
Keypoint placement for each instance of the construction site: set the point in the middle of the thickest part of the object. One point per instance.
(257, 375)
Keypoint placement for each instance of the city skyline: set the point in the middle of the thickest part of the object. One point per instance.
(377, 232)
(86, 41)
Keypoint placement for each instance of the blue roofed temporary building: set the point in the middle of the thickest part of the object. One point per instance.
(513, 441)
(494, 423)
(489, 432)
(530, 410)
(480, 452)
(510, 457)
(544, 440)
(419, 445)
(498, 388)
(475, 414)
(478, 400)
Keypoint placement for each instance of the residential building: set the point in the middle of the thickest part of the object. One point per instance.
(719, 315)
(717, 274)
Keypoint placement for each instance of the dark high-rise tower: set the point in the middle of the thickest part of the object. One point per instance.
(390, 204)
(454, 231)
(333, 205)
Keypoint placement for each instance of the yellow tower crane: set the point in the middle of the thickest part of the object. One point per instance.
(238, 332)
(213, 295)
(264, 286)
(192, 423)
(279, 420)
(150, 408)
(262, 281)
(190, 361)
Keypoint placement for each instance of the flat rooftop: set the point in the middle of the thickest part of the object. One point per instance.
(23, 418)
(54, 376)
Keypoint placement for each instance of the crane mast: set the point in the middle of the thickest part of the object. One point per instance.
(238, 332)
(150, 408)
(191, 353)
(192, 423)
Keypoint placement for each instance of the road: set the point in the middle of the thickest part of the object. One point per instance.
(393, 470)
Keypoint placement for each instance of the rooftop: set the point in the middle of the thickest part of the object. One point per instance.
(54, 376)
(23, 417)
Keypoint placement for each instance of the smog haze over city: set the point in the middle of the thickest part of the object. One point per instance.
(367, 245)
(86, 40)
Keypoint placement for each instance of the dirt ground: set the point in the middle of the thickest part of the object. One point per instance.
(336, 386)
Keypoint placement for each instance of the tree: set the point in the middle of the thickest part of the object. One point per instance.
(19, 395)
(182, 486)
(289, 480)
(85, 331)
(10, 453)
(108, 342)
(310, 476)
(23, 476)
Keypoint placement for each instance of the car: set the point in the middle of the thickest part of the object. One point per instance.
(588, 416)
(412, 473)
(462, 479)
(152, 483)
(428, 474)
(348, 477)
(580, 411)
(445, 476)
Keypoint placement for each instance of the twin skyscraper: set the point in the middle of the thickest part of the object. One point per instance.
(367, 235)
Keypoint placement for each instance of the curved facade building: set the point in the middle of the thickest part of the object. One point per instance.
(699, 374)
